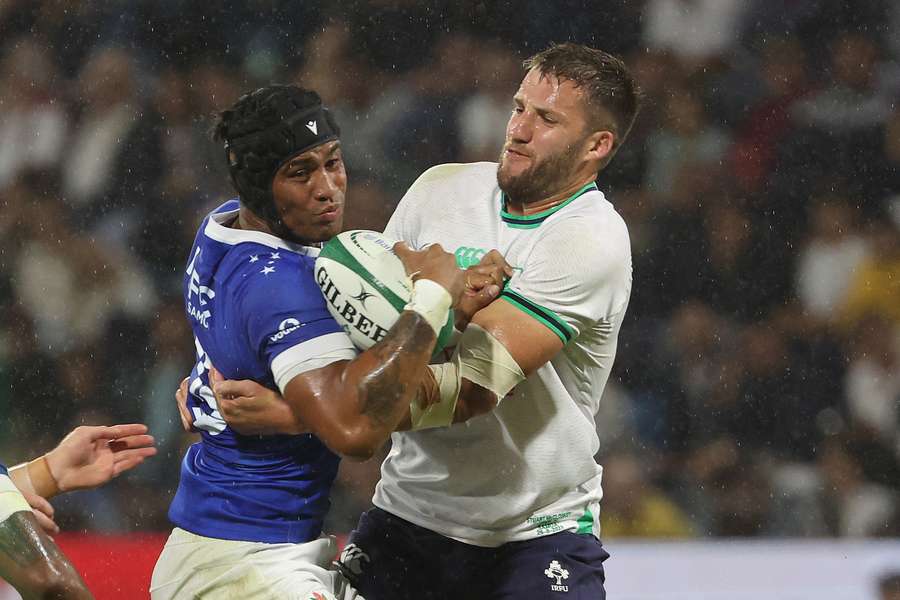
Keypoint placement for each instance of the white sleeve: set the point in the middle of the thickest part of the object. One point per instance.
(575, 277)
(11, 499)
(311, 354)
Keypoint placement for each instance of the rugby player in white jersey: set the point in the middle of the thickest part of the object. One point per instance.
(506, 505)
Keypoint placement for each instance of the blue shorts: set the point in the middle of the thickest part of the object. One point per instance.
(387, 558)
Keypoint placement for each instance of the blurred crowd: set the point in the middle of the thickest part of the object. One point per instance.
(757, 386)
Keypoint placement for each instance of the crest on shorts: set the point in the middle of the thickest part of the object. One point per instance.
(317, 596)
(557, 572)
(353, 560)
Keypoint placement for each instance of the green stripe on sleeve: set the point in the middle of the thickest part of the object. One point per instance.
(545, 316)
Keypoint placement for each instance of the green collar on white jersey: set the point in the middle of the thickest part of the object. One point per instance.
(535, 220)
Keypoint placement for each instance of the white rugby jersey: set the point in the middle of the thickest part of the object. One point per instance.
(526, 469)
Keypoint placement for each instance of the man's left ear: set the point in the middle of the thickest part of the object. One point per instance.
(600, 145)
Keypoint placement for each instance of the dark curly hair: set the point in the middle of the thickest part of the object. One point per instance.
(259, 134)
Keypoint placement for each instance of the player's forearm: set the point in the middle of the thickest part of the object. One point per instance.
(386, 378)
(34, 565)
(354, 406)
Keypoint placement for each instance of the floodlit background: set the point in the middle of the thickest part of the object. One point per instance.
(757, 385)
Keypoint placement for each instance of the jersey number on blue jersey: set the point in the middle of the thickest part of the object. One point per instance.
(212, 420)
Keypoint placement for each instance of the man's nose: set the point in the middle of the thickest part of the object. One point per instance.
(521, 127)
(326, 185)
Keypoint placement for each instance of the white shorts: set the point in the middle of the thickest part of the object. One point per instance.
(192, 566)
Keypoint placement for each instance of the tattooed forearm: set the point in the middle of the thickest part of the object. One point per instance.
(33, 564)
(399, 356)
(19, 540)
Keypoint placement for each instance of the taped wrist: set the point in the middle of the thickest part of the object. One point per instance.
(479, 357)
(37, 477)
(432, 301)
(444, 381)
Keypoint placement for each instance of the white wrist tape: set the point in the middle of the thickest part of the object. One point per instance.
(480, 358)
(439, 414)
(11, 499)
(432, 301)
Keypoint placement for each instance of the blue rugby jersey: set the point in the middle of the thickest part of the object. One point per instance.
(256, 313)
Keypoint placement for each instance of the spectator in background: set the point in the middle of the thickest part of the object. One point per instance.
(31, 385)
(892, 147)
(773, 416)
(829, 258)
(853, 100)
(170, 354)
(695, 31)
(842, 121)
(497, 77)
(361, 94)
(766, 123)
(33, 123)
(872, 382)
(74, 287)
(735, 277)
(687, 140)
(875, 286)
(856, 506)
(638, 508)
(426, 134)
(113, 154)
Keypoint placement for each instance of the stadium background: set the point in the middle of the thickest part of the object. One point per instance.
(757, 384)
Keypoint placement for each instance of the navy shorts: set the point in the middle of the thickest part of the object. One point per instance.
(387, 558)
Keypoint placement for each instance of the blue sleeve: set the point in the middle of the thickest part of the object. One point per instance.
(285, 308)
(3, 470)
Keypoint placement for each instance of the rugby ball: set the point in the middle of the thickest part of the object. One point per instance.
(366, 287)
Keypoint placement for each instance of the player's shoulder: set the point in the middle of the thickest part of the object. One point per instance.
(263, 269)
(468, 174)
(447, 171)
(594, 233)
(592, 219)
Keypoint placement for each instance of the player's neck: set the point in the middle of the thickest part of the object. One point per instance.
(532, 208)
(248, 221)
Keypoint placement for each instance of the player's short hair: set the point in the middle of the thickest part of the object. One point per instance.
(261, 132)
(610, 93)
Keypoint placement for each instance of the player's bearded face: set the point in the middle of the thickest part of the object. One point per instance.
(309, 194)
(545, 138)
(543, 178)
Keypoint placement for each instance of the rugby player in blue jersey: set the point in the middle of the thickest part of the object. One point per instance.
(249, 508)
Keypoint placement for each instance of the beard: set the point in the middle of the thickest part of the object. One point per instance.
(541, 180)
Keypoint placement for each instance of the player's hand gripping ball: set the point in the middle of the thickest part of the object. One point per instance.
(366, 286)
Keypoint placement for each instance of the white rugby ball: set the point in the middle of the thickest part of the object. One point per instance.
(365, 286)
